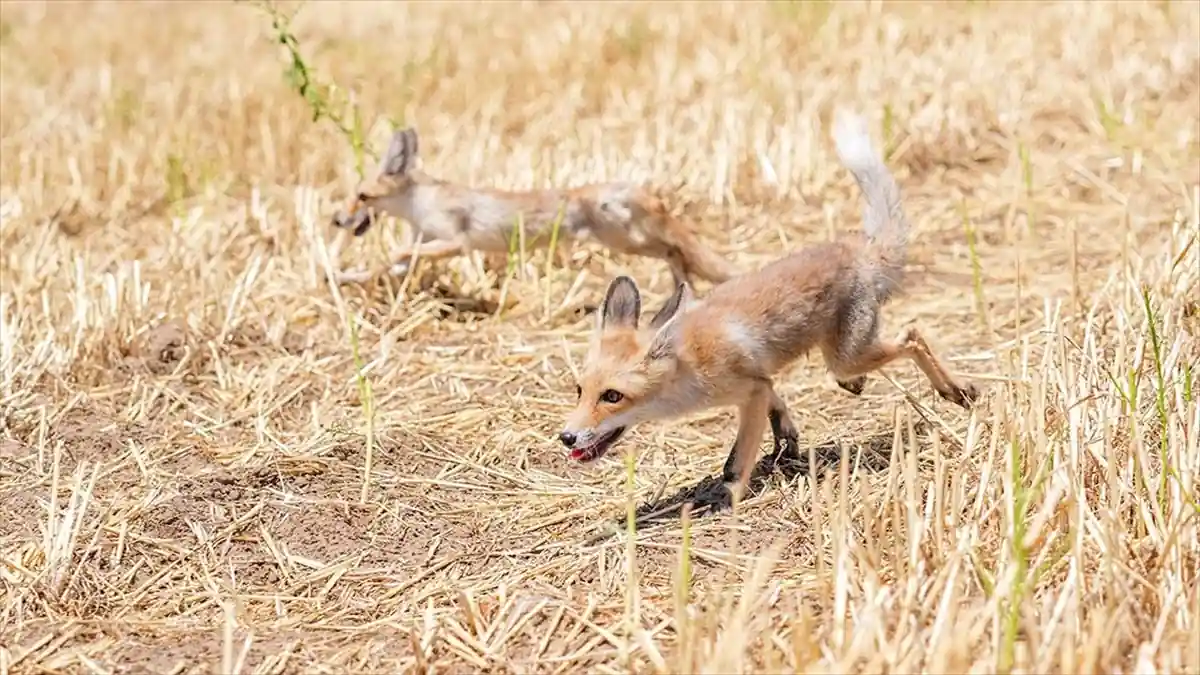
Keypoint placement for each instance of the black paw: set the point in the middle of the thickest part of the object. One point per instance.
(963, 397)
(727, 473)
(854, 385)
(786, 441)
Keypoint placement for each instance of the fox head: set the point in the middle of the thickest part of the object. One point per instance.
(624, 375)
(398, 172)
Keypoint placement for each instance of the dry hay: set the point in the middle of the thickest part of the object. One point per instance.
(183, 440)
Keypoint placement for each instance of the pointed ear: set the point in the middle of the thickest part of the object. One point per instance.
(401, 155)
(622, 304)
(665, 343)
(679, 300)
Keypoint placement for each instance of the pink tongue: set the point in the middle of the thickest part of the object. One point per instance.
(577, 454)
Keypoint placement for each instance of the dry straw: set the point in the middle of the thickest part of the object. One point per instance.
(214, 459)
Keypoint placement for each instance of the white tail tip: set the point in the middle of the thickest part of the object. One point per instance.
(853, 140)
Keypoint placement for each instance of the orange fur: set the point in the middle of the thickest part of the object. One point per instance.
(449, 219)
(725, 349)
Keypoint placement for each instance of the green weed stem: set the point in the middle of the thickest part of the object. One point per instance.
(321, 98)
(367, 400)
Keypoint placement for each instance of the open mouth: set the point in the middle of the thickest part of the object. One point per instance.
(363, 220)
(596, 449)
(359, 221)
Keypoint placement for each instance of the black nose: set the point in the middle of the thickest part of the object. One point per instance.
(567, 438)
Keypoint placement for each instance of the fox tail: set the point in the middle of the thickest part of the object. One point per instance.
(884, 222)
(692, 253)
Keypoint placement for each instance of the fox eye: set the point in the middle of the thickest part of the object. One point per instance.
(611, 396)
(578, 391)
(363, 197)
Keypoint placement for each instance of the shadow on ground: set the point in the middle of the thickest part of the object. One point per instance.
(709, 496)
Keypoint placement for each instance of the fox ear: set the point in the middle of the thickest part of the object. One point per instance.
(401, 153)
(679, 300)
(665, 342)
(622, 304)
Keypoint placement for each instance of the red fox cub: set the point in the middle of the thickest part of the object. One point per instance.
(449, 219)
(724, 350)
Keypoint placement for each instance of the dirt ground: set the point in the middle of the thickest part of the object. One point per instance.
(195, 481)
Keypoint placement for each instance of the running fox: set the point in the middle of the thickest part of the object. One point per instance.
(724, 349)
(449, 219)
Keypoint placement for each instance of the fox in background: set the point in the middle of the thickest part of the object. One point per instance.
(724, 349)
(449, 220)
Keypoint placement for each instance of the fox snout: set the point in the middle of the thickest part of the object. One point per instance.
(359, 221)
(587, 445)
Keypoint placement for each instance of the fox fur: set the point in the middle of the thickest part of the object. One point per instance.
(724, 350)
(449, 219)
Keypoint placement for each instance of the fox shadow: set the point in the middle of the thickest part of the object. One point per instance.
(710, 496)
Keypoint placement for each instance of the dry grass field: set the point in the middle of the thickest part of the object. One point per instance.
(203, 468)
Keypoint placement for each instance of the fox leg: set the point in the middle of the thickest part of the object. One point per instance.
(343, 276)
(426, 250)
(877, 354)
(787, 439)
(359, 276)
(854, 385)
(431, 250)
(362, 275)
(857, 334)
(752, 422)
(339, 242)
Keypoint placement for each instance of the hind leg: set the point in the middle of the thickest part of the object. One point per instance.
(858, 327)
(857, 350)
(910, 345)
(854, 385)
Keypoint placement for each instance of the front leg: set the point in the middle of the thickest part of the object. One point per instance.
(402, 260)
(752, 421)
(398, 267)
(786, 437)
(334, 250)
(428, 250)
(362, 275)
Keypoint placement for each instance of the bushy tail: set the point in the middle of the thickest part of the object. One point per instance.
(701, 260)
(692, 253)
(884, 222)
